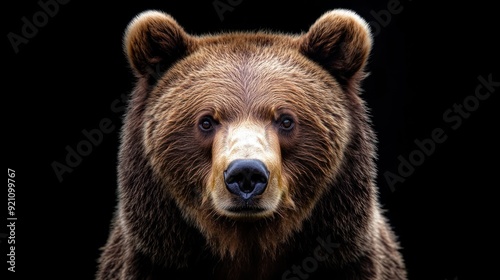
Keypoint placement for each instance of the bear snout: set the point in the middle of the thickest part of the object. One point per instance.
(246, 178)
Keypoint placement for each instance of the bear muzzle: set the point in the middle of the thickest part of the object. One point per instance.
(246, 176)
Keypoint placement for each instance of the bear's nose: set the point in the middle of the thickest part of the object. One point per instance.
(246, 177)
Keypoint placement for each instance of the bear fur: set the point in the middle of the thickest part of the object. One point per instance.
(290, 102)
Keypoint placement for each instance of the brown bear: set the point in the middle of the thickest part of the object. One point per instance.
(248, 155)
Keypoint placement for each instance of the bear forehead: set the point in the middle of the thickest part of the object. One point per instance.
(237, 52)
(248, 65)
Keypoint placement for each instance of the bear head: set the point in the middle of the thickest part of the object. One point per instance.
(244, 135)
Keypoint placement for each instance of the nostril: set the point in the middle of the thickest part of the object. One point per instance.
(232, 179)
(246, 177)
(259, 178)
(232, 183)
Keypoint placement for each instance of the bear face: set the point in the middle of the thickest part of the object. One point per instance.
(251, 108)
(242, 144)
(256, 100)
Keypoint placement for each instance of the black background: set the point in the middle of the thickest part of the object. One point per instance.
(425, 59)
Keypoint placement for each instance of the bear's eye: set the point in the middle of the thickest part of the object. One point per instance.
(286, 123)
(206, 124)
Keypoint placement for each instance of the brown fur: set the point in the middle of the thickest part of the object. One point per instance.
(171, 221)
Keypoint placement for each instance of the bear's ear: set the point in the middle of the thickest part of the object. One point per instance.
(340, 41)
(153, 41)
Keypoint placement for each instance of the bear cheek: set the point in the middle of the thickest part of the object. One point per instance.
(246, 142)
